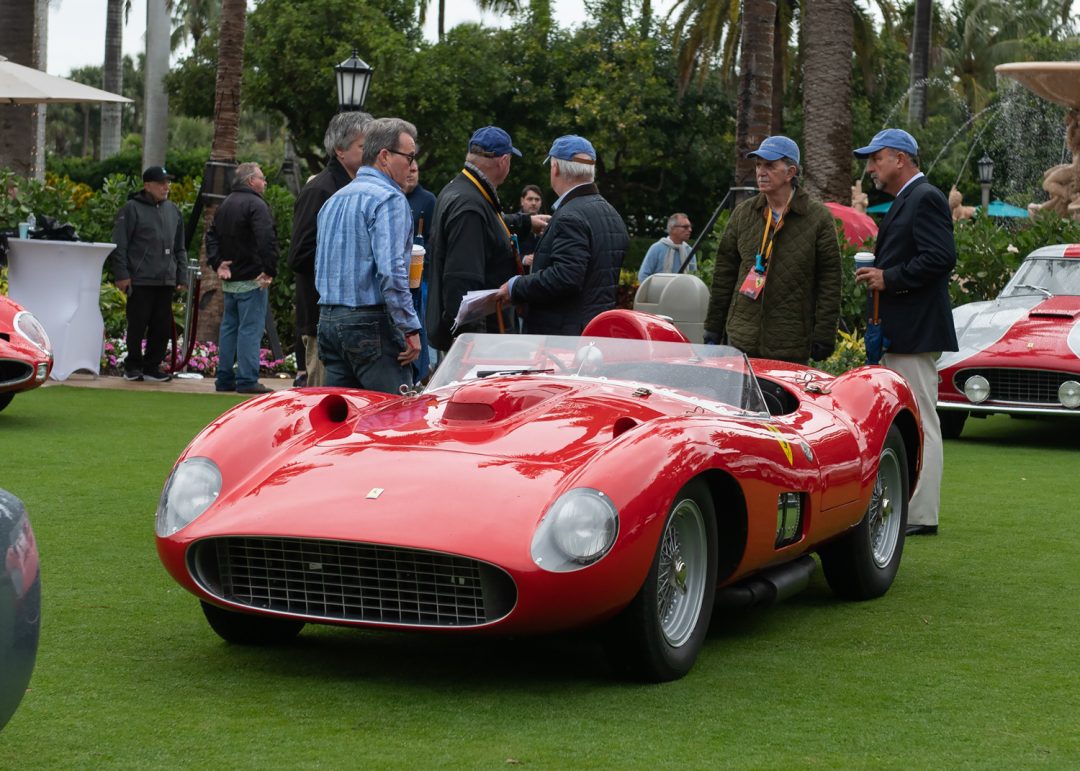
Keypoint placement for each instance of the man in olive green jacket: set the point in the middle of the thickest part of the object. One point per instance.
(784, 304)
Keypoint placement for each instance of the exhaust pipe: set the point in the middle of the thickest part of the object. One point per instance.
(769, 586)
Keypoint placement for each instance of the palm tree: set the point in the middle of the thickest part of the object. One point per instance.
(753, 120)
(223, 148)
(22, 127)
(920, 61)
(827, 35)
(156, 125)
(496, 6)
(192, 19)
(113, 75)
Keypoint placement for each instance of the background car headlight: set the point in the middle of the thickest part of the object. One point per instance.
(578, 529)
(29, 327)
(193, 486)
(977, 389)
(1069, 394)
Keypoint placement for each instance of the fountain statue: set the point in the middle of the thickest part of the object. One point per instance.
(859, 199)
(956, 204)
(1058, 82)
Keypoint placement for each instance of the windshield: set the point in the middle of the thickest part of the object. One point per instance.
(715, 374)
(1046, 276)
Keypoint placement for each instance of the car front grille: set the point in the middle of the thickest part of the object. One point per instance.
(1018, 386)
(13, 371)
(347, 581)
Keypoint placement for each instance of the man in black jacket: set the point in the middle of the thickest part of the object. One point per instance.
(241, 246)
(914, 258)
(149, 263)
(576, 265)
(344, 143)
(471, 246)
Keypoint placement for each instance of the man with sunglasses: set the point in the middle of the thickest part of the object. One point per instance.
(368, 331)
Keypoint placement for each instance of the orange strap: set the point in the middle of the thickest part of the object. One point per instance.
(484, 192)
(766, 251)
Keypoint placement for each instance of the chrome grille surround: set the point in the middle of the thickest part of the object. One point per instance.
(324, 580)
(1018, 386)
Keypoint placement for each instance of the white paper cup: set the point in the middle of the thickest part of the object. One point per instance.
(416, 266)
(24, 230)
(864, 260)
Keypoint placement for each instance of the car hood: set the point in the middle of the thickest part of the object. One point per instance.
(1026, 326)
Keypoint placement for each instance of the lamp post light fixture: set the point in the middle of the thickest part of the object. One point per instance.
(986, 177)
(353, 79)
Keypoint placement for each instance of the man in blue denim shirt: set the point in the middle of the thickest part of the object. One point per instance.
(369, 333)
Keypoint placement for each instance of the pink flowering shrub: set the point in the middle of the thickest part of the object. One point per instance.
(203, 360)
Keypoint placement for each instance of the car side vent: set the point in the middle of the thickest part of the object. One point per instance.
(621, 426)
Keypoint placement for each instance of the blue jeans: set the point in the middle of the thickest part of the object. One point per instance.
(238, 340)
(359, 349)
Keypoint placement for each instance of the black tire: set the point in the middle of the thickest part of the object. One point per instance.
(659, 635)
(862, 563)
(249, 629)
(952, 423)
(5, 399)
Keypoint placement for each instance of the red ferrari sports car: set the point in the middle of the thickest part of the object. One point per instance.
(1019, 354)
(624, 478)
(25, 353)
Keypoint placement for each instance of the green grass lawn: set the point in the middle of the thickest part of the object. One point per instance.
(971, 660)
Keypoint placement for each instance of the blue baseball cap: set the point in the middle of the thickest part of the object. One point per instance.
(567, 148)
(493, 140)
(775, 148)
(894, 139)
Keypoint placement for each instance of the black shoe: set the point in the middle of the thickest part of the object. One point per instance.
(300, 381)
(132, 375)
(224, 388)
(258, 388)
(157, 376)
(921, 530)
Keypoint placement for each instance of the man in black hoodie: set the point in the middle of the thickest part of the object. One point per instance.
(241, 246)
(149, 263)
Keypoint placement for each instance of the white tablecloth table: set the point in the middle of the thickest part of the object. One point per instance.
(60, 283)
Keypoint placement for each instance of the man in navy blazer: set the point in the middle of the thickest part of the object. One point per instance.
(914, 258)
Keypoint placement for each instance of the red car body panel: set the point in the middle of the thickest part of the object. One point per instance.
(23, 365)
(470, 469)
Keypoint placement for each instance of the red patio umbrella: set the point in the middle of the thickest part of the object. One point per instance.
(857, 226)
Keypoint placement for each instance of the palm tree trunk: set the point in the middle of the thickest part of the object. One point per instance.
(22, 40)
(920, 62)
(753, 118)
(829, 30)
(223, 149)
(113, 77)
(156, 126)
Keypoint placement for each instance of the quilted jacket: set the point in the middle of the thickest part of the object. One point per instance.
(800, 302)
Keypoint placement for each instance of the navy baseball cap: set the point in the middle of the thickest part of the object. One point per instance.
(775, 148)
(156, 174)
(894, 139)
(566, 148)
(493, 140)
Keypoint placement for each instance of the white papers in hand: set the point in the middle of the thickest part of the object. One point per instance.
(475, 305)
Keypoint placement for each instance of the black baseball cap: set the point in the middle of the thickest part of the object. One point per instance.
(156, 174)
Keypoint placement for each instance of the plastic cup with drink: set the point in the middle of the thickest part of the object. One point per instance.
(24, 229)
(416, 266)
(864, 260)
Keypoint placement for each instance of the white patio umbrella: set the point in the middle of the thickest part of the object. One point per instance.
(25, 85)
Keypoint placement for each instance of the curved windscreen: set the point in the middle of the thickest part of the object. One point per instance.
(713, 373)
(1046, 276)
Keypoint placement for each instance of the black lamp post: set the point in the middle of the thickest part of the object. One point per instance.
(986, 177)
(353, 79)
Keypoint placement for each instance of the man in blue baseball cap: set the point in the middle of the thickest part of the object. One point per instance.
(575, 269)
(777, 282)
(914, 258)
(472, 245)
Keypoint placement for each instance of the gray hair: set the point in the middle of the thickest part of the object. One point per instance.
(343, 130)
(673, 220)
(574, 171)
(383, 134)
(244, 172)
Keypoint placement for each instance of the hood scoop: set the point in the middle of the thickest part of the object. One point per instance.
(494, 401)
(1060, 307)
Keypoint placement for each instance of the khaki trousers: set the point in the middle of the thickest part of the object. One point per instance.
(316, 373)
(920, 370)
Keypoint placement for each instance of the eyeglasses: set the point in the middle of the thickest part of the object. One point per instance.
(410, 157)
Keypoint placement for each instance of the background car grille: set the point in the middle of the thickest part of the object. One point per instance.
(342, 580)
(1020, 386)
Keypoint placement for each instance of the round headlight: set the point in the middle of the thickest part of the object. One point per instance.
(30, 328)
(193, 486)
(977, 389)
(578, 529)
(1069, 394)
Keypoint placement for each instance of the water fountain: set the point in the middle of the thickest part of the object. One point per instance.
(1057, 82)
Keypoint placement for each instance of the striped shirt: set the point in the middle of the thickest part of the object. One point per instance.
(363, 247)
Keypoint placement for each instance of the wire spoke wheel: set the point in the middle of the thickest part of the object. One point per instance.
(883, 514)
(681, 576)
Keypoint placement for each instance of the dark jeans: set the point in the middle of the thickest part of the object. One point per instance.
(242, 325)
(359, 349)
(149, 315)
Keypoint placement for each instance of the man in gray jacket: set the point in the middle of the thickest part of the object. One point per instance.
(148, 264)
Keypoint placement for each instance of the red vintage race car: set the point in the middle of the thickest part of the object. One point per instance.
(1020, 353)
(25, 352)
(544, 483)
